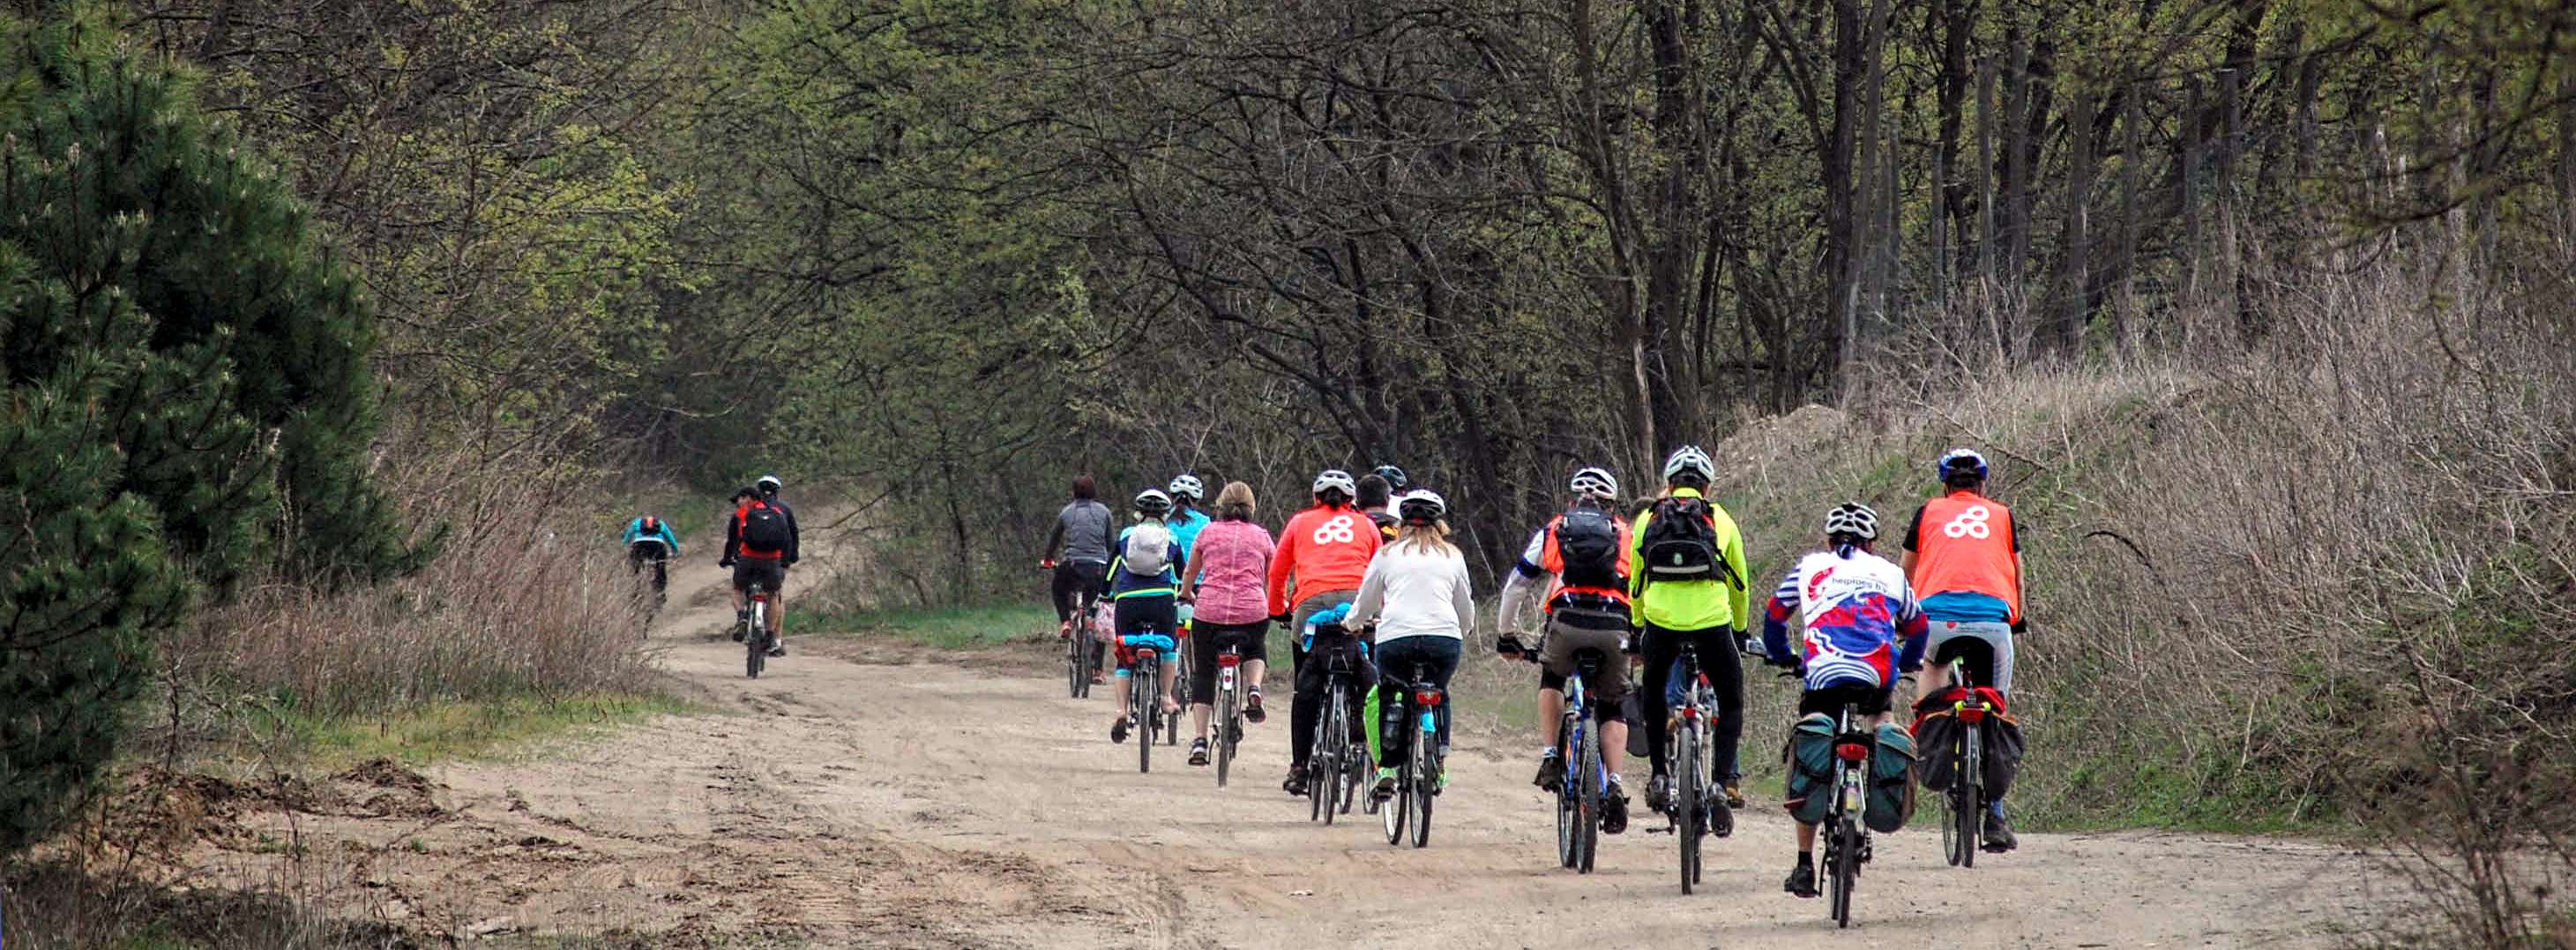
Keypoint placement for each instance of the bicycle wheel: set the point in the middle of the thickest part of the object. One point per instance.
(1076, 646)
(1692, 798)
(1423, 780)
(1147, 714)
(1335, 741)
(755, 641)
(1393, 812)
(1845, 868)
(1568, 807)
(1172, 720)
(1224, 734)
(1587, 825)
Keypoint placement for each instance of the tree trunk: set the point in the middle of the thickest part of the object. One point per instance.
(2068, 338)
(1850, 44)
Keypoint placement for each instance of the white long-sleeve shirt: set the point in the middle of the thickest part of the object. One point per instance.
(1416, 592)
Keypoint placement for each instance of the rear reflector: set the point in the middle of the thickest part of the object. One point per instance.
(1426, 697)
(1852, 751)
(1972, 714)
(1229, 661)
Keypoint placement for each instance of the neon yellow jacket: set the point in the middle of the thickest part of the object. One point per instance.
(1693, 605)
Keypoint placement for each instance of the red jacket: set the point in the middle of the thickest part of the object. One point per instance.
(1324, 550)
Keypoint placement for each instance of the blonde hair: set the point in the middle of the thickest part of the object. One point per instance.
(1430, 538)
(1234, 502)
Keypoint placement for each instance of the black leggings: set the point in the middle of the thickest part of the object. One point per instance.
(1725, 671)
(1072, 580)
(1209, 639)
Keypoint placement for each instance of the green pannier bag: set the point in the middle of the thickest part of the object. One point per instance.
(1891, 786)
(1809, 755)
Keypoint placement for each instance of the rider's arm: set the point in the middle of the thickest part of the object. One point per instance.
(1054, 538)
(1462, 597)
(1518, 591)
(1281, 562)
(793, 536)
(1913, 536)
(1637, 575)
(1775, 621)
(1372, 596)
(1741, 591)
(671, 538)
(634, 529)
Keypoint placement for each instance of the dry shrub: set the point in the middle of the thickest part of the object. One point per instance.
(529, 596)
(2323, 575)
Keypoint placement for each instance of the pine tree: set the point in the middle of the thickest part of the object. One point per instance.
(184, 394)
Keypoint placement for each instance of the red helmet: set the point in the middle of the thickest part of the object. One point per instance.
(652, 524)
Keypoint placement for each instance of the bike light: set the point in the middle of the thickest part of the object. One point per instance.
(1426, 697)
(1972, 714)
(1229, 662)
(1852, 751)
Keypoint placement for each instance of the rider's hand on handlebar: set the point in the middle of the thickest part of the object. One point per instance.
(1509, 645)
(1046, 564)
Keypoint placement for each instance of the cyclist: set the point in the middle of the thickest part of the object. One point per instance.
(1324, 552)
(1576, 568)
(1376, 496)
(1186, 521)
(1690, 582)
(1417, 592)
(649, 539)
(1082, 529)
(1859, 625)
(760, 544)
(1144, 583)
(1969, 568)
(1224, 588)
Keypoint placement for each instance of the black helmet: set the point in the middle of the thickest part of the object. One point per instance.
(1394, 476)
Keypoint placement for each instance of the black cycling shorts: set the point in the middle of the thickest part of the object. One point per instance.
(1873, 700)
(770, 574)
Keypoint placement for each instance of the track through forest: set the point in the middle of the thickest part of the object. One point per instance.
(856, 799)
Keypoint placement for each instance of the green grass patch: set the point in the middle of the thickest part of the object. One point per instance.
(948, 628)
(467, 729)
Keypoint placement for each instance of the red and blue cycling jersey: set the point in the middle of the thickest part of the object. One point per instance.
(1858, 620)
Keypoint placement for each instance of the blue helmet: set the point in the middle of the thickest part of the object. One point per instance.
(1958, 460)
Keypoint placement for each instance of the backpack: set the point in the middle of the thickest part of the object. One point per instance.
(1588, 542)
(1681, 542)
(764, 530)
(1386, 525)
(1147, 549)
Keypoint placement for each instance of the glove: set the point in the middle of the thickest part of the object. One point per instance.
(1280, 619)
(792, 560)
(2020, 627)
(1508, 645)
(724, 562)
(1752, 646)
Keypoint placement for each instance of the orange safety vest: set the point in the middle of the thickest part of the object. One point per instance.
(1964, 544)
(1552, 560)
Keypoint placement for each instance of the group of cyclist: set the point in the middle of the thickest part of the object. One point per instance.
(761, 542)
(1589, 581)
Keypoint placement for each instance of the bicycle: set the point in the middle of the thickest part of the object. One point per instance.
(1229, 709)
(1335, 764)
(1587, 778)
(1963, 825)
(755, 631)
(1180, 674)
(1145, 694)
(1846, 845)
(655, 553)
(1699, 807)
(1081, 647)
(1417, 775)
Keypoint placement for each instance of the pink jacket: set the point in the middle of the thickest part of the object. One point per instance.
(1232, 560)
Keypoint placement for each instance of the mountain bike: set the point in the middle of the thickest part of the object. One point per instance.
(1846, 844)
(1963, 824)
(1587, 779)
(1417, 775)
(1229, 709)
(1180, 674)
(1699, 805)
(1333, 766)
(1145, 693)
(755, 631)
(1082, 647)
(653, 553)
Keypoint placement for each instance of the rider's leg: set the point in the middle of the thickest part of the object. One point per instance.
(1725, 668)
(1551, 707)
(1061, 588)
(1203, 649)
(1660, 646)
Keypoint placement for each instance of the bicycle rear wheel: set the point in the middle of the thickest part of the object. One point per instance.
(1423, 781)
(1569, 807)
(1587, 828)
(1689, 805)
(1392, 812)
(755, 641)
(1148, 714)
(1180, 679)
(1336, 742)
(1224, 734)
(1076, 647)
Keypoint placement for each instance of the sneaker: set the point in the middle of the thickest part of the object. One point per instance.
(1802, 879)
(1659, 792)
(1118, 729)
(1064, 631)
(1252, 712)
(1441, 783)
(1551, 771)
(1099, 678)
(1295, 785)
(1385, 785)
(1999, 836)
(777, 648)
(1198, 752)
(1614, 809)
(1734, 796)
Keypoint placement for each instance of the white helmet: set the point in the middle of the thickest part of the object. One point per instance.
(1595, 483)
(1187, 486)
(1153, 502)
(1852, 518)
(1690, 459)
(1336, 478)
(769, 484)
(1421, 506)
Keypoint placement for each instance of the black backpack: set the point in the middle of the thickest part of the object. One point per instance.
(764, 530)
(1589, 542)
(1681, 542)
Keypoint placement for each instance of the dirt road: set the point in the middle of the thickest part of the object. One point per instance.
(844, 802)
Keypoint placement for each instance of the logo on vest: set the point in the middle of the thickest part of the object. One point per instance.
(1971, 524)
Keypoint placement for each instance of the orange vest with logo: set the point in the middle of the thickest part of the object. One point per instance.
(1964, 544)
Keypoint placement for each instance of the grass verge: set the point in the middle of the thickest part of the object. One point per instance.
(464, 729)
(946, 628)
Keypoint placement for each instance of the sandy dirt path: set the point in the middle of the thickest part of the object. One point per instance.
(861, 794)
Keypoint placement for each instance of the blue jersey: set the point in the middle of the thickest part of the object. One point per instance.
(1185, 529)
(662, 532)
